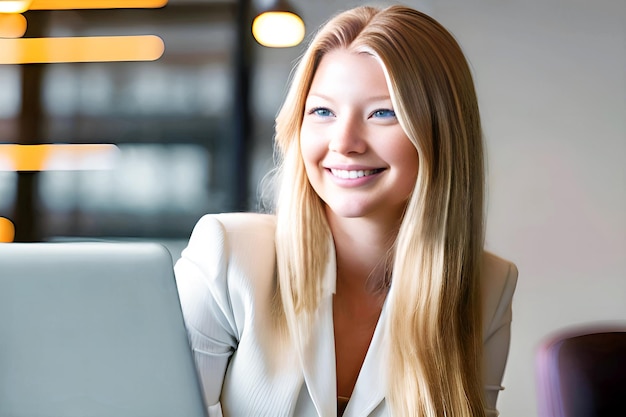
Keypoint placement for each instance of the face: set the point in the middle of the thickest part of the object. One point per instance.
(357, 157)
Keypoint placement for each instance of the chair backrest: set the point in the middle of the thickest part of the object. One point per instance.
(583, 373)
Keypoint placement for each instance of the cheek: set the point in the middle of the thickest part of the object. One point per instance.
(411, 163)
(408, 162)
(311, 149)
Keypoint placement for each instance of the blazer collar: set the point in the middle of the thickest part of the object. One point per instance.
(318, 359)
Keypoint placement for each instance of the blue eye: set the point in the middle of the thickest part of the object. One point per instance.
(321, 112)
(384, 113)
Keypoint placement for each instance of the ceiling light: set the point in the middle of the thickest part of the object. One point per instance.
(278, 25)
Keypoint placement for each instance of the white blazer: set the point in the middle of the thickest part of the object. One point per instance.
(226, 278)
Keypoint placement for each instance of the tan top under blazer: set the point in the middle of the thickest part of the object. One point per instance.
(226, 278)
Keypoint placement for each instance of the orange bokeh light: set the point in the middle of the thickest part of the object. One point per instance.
(7, 230)
(57, 157)
(81, 49)
(12, 25)
(95, 4)
(14, 6)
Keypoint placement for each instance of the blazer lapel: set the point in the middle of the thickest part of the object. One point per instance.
(369, 390)
(318, 356)
(318, 363)
(318, 359)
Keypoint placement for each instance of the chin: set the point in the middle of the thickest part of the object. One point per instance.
(348, 212)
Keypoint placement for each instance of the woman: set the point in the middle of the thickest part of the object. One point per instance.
(368, 294)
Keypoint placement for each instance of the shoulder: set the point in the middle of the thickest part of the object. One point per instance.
(232, 245)
(235, 223)
(229, 262)
(233, 237)
(497, 272)
(498, 282)
(233, 231)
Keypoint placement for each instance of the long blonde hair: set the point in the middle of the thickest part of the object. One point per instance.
(435, 337)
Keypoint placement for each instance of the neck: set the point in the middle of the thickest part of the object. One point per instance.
(363, 248)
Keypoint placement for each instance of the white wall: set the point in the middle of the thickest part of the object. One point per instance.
(551, 79)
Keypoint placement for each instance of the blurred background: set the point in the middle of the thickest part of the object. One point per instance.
(193, 129)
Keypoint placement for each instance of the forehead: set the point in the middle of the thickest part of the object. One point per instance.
(341, 71)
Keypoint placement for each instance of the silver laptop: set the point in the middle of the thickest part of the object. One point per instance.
(93, 330)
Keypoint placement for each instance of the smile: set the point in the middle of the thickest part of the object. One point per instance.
(344, 174)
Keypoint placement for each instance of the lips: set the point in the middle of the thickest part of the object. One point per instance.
(353, 174)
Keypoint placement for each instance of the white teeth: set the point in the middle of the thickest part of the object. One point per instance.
(352, 174)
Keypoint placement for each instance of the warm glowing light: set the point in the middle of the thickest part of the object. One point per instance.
(278, 29)
(12, 25)
(95, 4)
(81, 49)
(7, 230)
(14, 6)
(57, 157)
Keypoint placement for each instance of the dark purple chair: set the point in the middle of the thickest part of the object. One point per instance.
(582, 373)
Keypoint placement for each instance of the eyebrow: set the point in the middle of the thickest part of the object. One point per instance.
(372, 98)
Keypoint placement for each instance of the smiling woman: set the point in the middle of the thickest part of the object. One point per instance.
(357, 156)
(368, 293)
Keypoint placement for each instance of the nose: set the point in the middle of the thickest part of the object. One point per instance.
(348, 136)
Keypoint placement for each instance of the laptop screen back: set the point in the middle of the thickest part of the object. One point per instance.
(93, 330)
